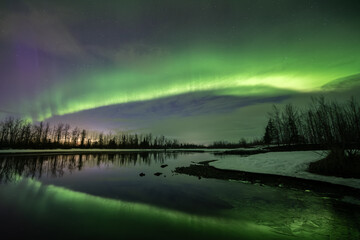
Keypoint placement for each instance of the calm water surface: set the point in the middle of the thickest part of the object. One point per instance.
(102, 196)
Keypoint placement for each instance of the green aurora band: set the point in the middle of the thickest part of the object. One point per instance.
(141, 50)
(240, 72)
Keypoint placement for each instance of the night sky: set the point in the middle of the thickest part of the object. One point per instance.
(197, 70)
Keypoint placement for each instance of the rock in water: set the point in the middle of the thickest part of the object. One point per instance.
(142, 174)
(157, 174)
(164, 166)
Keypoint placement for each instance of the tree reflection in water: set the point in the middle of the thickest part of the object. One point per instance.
(35, 166)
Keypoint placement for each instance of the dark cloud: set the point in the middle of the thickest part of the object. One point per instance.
(344, 83)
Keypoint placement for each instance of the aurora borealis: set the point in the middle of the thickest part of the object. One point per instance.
(196, 70)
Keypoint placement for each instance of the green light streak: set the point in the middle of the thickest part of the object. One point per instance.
(119, 218)
(264, 69)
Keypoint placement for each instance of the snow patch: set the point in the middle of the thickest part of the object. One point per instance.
(293, 164)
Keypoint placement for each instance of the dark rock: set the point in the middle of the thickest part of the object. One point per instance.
(142, 174)
(164, 166)
(157, 174)
(206, 163)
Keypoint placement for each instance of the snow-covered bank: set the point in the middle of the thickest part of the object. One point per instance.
(292, 164)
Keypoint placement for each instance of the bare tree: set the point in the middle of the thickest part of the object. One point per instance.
(83, 136)
(66, 133)
(39, 132)
(46, 133)
(75, 135)
(59, 131)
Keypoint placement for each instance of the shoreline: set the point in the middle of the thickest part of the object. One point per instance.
(204, 170)
(17, 152)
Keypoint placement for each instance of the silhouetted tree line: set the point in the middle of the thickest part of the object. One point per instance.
(243, 143)
(18, 133)
(332, 124)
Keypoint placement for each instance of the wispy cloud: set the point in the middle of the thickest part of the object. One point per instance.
(42, 31)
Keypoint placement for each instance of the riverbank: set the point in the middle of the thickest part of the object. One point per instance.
(291, 164)
(279, 169)
(320, 187)
(337, 163)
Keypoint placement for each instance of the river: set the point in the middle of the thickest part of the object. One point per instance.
(72, 196)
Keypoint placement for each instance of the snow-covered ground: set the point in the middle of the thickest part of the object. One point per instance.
(292, 164)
